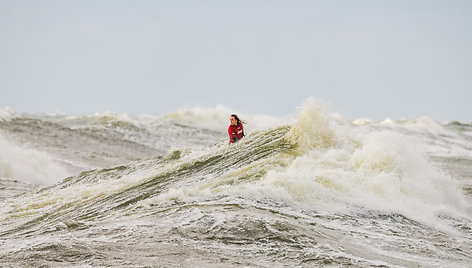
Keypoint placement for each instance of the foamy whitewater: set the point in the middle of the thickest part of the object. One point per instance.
(309, 190)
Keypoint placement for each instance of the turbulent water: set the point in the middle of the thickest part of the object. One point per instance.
(312, 190)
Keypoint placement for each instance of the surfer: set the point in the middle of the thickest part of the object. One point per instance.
(235, 129)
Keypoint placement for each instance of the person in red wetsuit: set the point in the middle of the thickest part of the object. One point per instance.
(235, 129)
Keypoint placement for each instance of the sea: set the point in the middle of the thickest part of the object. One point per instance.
(310, 189)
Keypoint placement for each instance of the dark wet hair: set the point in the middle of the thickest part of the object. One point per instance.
(238, 120)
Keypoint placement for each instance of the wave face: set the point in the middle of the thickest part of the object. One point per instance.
(314, 190)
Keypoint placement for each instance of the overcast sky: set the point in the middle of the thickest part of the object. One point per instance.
(377, 59)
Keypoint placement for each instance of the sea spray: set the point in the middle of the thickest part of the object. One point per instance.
(28, 165)
(313, 128)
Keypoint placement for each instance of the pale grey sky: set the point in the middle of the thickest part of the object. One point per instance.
(376, 59)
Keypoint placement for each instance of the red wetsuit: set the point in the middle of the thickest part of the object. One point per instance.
(235, 133)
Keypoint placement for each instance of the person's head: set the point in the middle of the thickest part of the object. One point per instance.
(234, 119)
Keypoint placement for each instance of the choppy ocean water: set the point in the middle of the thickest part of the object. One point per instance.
(311, 190)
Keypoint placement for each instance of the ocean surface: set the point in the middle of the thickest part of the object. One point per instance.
(313, 189)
